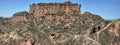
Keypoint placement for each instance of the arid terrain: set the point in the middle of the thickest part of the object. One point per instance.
(27, 28)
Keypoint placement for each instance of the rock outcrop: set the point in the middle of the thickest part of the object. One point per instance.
(41, 9)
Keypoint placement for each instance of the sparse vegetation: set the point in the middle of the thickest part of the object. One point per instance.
(72, 29)
(21, 13)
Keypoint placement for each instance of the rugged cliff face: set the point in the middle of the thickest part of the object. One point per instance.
(67, 8)
(60, 29)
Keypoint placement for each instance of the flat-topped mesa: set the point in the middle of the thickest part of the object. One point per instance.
(42, 9)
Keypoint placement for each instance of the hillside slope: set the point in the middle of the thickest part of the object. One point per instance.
(85, 29)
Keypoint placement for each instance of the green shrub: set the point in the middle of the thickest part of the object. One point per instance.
(33, 30)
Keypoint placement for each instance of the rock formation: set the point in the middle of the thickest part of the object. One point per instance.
(48, 10)
(41, 9)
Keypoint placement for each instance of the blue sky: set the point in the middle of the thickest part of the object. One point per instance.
(108, 9)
